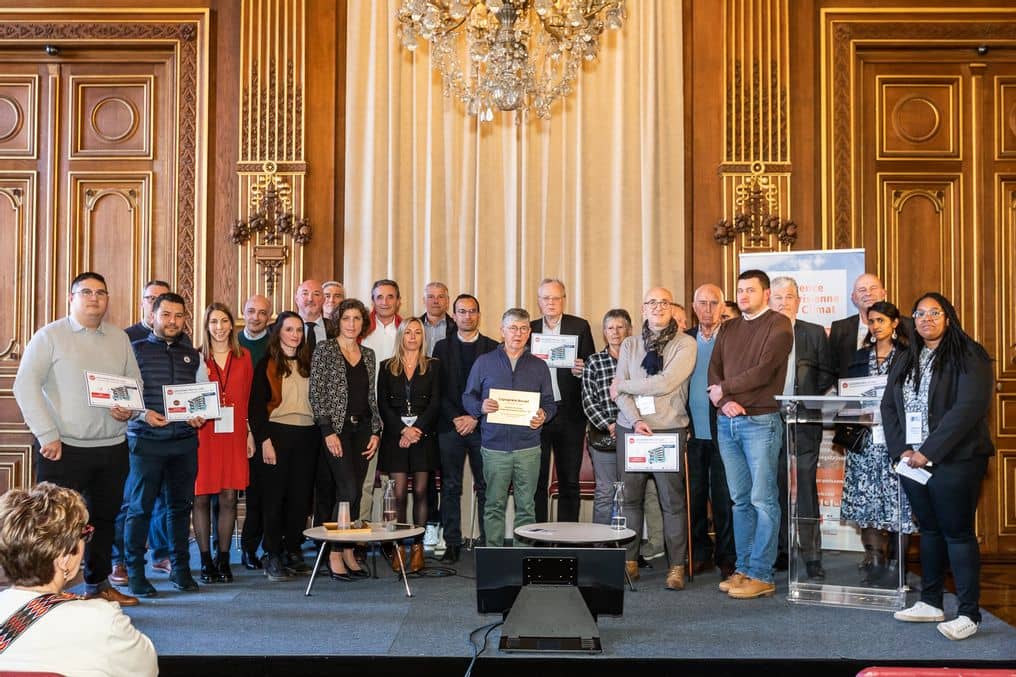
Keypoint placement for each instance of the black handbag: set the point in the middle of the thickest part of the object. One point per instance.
(601, 440)
(852, 436)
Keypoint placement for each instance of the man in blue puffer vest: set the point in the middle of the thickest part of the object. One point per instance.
(164, 454)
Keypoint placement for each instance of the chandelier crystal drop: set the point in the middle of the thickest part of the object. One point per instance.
(509, 55)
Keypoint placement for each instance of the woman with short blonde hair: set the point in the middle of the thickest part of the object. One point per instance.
(42, 542)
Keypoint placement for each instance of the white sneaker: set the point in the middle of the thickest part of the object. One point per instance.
(920, 613)
(960, 627)
(430, 537)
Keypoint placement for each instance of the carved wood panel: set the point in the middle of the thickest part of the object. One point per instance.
(19, 105)
(103, 168)
(920, 169)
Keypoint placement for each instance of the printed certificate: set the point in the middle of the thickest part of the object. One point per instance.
(187, 400)
(651, 453)
(557, 351)
(108, 391)
(866, 386)
(514, 407)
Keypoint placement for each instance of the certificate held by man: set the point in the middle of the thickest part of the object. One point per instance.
(514, 407)
(557, 350)
(189, 400)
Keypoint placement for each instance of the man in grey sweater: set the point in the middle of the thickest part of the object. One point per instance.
(77, 446)
(651, 391)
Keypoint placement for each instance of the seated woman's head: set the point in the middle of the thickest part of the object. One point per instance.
(41, 531)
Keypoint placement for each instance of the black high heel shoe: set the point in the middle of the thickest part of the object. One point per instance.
(345, 578)
(209, 572)
(222, 564)
(358, 573)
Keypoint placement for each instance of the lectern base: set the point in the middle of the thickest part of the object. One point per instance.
(551, 618)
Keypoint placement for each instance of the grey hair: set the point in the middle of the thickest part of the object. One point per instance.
(552, 280)
(514, 314)
(783, 281)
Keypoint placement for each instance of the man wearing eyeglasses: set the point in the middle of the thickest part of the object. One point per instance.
(77, 446)
(564, 434)
(651, 390)
(458, 432)
(143, 327)
(511, 453)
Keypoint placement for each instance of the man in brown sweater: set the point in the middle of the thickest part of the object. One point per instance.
(747, 370)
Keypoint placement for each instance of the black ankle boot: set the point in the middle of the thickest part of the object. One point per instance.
(222, 564)
(209, 573)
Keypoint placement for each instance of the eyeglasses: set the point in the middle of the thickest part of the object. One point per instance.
(467, 311)
(87, 532)
(657, 303)
(89, 293)
(551, 299)
(149, 298)
(514, 329)
(932, 314)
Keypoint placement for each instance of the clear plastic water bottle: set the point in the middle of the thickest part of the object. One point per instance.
(617, 519)
(388, 513)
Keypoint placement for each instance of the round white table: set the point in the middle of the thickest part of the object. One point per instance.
(376, 536)
(577, 534)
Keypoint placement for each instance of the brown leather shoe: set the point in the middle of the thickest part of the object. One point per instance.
(114, 595)
(396, 560)
(163, 566)
(701, 567)
(632, 567)
(733, 580)
(417, 560)
(675, 577)
(752, 588)
(119, 575)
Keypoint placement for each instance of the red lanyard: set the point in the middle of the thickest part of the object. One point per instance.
(223, 381)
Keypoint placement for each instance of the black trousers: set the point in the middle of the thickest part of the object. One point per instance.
(945, 509)
(454, 450)
(253, 521)
(809, 532)
(707, 483)
(286, 486)
(565, 435)
(348, 472)
(98, 474)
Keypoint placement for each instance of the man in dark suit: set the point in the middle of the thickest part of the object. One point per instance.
(565, 433)
(810, 372)
(437, 325)
(847, 335)
(457, 432)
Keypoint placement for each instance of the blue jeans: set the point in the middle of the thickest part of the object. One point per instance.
(750, 448)
(169, 467)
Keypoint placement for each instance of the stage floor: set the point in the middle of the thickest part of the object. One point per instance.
(374, 618)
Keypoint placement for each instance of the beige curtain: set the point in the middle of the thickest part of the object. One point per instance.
(593, 196)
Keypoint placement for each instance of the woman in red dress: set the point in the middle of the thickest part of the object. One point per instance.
(224, 445)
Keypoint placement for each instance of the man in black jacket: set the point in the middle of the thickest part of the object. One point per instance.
(565, 433)
(457, 432)
(810, 372)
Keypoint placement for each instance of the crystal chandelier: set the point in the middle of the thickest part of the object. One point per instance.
(519, 55)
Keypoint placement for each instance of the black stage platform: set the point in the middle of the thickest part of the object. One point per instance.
(253, 627)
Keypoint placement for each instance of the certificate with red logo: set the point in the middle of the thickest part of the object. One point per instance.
(651, 453)
(187, 400)
(107, 391)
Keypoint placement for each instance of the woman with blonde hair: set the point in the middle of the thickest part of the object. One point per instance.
(42, 541)
(224, 446)
(409, 398)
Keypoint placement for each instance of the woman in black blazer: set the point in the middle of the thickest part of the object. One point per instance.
(935, 413)
(409, 399)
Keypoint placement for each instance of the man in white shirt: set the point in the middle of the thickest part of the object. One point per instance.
(384, 323)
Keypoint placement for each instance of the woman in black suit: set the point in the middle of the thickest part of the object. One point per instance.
(409, 398)
(935, 413)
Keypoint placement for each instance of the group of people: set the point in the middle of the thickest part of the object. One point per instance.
(315, 401)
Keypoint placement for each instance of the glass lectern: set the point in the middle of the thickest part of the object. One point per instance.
(828, 564)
